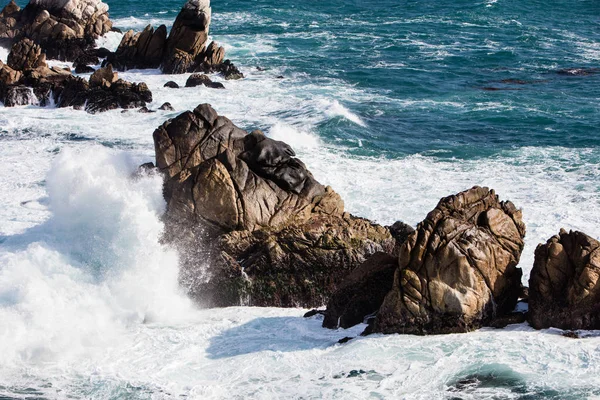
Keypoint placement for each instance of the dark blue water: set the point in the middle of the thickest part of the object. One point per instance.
(459, 78)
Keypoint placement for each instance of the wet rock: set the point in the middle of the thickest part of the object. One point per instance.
(145, 110)
(172, 85)
(312, 313)
(564, 287)
(457, 271)
(19, 96)
(201, 79)
(250, 219)
(167, 107)
(361, 293)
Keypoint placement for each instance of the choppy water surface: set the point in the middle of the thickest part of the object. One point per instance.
(393, 103)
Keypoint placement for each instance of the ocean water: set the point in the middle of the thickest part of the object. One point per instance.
(395, 104)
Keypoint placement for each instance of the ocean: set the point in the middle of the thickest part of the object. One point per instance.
(395, 104)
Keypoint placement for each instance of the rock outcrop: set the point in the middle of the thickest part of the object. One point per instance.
(361, 293)
(457, 271)
(65, 29)
(251, 222)
(202, 80)
(27, 79)
(186, 49)
(564, 287)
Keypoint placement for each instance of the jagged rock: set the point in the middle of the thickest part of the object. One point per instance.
(457, 271)
(166, 107)
(9, 76)
(250, 220)
(226, 68)
(64, 29)
(142, 50)
(26, 55)
(201, 79)
(8, 22)
(564, 287)
(19, 96)
(362, 292)
(189, 34)
(104, 77)
(172, 85)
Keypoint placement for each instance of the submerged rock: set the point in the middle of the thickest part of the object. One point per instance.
(564, 287)
(251, 222)
(201, 79)
(457, 271)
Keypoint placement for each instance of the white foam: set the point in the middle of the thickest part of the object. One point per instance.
(73, 285)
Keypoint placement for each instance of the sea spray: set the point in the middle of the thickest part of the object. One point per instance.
(74, 283)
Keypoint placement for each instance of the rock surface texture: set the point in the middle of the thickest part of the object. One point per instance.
(65, 29)
(457, 271)
(564, 287)
(27, 79)
(186, 49)
(253, 225)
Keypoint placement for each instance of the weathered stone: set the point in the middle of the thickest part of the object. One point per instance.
(64, 29)
(457, 271)
(104, 77)
(26, 55)
(251, 222)
(564, 287)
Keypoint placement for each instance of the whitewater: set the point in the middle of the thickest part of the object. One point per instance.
(90, 307)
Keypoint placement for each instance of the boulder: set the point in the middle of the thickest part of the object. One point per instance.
(166, 107)
(564, 286)
(361, 293)
(172, 85)
(201, 79)
(26, 55)
(251, 222)
(104, 77)
(458, 270)
(9, 18)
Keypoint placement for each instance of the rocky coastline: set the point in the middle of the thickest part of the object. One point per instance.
(67, 31)
(254, 227)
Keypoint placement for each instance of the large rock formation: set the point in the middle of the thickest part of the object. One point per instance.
(251, 222)
(27, 79)
(457, 271)
(65, 29)
(186, 48)
(564, 287)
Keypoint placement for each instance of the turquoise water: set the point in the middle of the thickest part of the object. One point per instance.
(424, 67)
